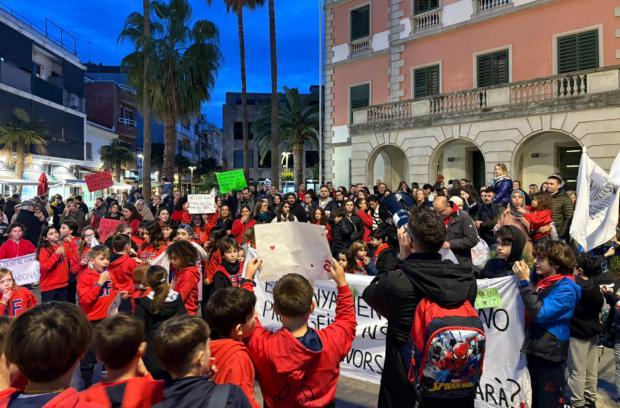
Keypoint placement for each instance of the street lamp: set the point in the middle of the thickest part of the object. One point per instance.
(191, 177)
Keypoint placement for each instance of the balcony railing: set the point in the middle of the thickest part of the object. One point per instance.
(361, 46)
(427, 20)
(552, 88)
(487, 5)
(127, 122)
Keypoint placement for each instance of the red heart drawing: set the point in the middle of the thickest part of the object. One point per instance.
(272, 247)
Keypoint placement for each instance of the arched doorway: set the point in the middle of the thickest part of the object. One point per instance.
(389, 164)
(545, 153)
(457, 159)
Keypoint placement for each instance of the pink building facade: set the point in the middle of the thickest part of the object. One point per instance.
(421, 88)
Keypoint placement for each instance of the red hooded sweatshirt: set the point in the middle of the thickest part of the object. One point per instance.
(239, 228)
(54, 269)
(139, 392)
(11, 249)
(185, 281)
(121, 272)
(68, 398)
(367, 221)
(234, 366)
(95, 300)
(21, 301)
(150, 252)
(292, 375)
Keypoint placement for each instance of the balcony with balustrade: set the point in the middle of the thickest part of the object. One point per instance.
(361, 47)
(570, 91)
(491, 6)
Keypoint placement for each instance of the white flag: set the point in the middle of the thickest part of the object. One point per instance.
(596, 210)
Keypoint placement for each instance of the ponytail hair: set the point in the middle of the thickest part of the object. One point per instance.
(157, 280)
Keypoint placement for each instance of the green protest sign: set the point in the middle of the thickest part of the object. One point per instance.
(488, 298)
(231, 180)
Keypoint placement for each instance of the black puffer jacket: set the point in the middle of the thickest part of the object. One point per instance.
(395, 295)
(341, 234)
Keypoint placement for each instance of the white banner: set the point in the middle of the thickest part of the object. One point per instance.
(596, 210)
(201, 203)
(505, 381)
(25, 269)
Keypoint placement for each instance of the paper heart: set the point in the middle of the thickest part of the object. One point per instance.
(272, 247)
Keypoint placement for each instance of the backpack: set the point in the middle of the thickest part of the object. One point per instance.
(445, 350)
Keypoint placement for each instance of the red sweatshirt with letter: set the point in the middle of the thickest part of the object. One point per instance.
(292, 375)
(95, 300)
(138, 392)
(185, 282)
(21, 301)
(121, 272)
(54, 269)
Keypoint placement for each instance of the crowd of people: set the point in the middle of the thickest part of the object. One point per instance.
(175, 333)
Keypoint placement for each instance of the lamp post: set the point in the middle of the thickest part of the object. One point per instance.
(191, 177)
(141, 158)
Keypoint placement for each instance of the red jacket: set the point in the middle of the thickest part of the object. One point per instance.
(11, 249)
(121, 273)
(539, 219)
(201, 235)
(367, 222)
(211, 222)
(95, 300)
(73, 255)
(69, 398)
(239, 228)
(186, 282)
(21, 301)
(234, 366)
(54, 269)
(134, 224)
(291, 375)
(181, 216)
(150, 252)
(139, 392)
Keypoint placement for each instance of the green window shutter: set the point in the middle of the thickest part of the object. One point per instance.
(493, 69)
(360, 23)
(578, 51)
(422, 6)
(360, 97)
(426, 81)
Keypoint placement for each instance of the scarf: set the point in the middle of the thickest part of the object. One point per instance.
(549, 281)
(231, 267)
(455, 210)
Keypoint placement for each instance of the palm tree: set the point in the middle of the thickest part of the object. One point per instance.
(298, 123)
(236, 6)
(146, 105)
(183, 63)
(19, 136)
(116, 156)
(275, 137)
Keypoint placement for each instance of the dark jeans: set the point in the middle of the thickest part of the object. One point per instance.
(87, 365)
(59, 295)
(548, 382)
(72, 289)
(447, 402)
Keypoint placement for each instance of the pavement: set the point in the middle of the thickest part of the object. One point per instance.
(361, 394)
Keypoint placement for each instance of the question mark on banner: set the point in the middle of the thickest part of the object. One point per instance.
(514, 394)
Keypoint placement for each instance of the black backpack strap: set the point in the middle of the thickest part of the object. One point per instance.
(219, 397)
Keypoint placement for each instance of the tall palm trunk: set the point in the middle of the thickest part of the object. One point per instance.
(170, 147)
(118, 170)
(146, 107)
(244, 96)
(275, 136)
(298, 157)
(20, 164)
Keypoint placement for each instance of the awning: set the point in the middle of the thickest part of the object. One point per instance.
(16, 182)
(121, 186)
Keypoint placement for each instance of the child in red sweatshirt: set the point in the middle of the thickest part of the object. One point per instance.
(96, 296)
(541, 216)
(16, 245)
(298, 366)
(153, 243)
(186, 276)
(53, 266)
(15, 300)
(229, 272)
(122, 266)
(231, 315)
(119, 346)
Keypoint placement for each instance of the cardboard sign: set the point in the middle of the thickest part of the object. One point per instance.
(107, 227)
(99, 181)
(201, 203)
(292, 247)
(231, 180)
(25, 269)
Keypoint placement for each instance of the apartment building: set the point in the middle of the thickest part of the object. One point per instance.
(415, 89)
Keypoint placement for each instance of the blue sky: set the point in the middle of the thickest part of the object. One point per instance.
(99, 23)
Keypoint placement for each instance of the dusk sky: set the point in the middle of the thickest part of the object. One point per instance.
(99, 22)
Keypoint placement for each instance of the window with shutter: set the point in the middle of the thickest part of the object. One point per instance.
(360, 97)
(360, 23)
(578, 51)
(493, 68)
(426, 81)
(422, 6)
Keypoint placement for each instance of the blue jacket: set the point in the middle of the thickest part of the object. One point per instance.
(503, 189)
(550, 312)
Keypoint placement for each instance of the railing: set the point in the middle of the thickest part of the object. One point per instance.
(360, 46)
(485, 5)
(127, 122)
(552, 88)
(426, 20)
